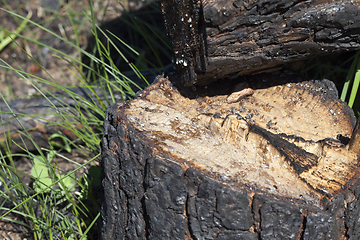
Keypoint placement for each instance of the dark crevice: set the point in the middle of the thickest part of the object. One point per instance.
(303, 228)
(145, 186)
(188, 217)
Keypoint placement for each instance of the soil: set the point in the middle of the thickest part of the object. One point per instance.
(29, 56)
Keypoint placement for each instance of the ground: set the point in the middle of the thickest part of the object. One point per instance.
(37, 58)
(55, 16)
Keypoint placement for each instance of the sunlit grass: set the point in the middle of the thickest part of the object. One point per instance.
(56, 205)
(352, 81)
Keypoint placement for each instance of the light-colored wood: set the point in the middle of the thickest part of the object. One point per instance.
(281, 139)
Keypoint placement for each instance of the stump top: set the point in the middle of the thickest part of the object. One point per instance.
(280, 139)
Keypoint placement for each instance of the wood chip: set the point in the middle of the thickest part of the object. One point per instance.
(237, 96)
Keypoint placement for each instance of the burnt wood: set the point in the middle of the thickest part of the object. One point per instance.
(37, 118)
(354, 144)
(184, 21)
(24, 120)
(160, 182)
(213, 39)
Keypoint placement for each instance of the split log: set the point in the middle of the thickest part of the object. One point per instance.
(224, 163)
(213, 39)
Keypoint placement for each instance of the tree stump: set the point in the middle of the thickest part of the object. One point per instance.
(213, 39)
(271, 158)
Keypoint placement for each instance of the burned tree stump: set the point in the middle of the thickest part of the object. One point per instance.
(268, 157)
(263, 159)
(213, 39)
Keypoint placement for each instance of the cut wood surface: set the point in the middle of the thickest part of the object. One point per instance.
(224, 163)
(213, 39)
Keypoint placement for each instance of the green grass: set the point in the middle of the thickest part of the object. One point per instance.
(5, 40)
(62, 204)
(59, 204)
(353, 81)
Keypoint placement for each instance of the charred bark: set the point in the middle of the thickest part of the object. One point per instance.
(216, 39)
(273, 165)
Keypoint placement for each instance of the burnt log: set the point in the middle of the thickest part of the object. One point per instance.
(277, 162)
(39, 117)
(213, 39)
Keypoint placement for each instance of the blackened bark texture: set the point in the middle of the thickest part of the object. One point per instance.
(184, 21)
(144, 195)
(152, 193)
(352, 214)
(244, 37)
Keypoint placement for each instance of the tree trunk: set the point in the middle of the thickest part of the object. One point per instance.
(268, 158)
(227, 38)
